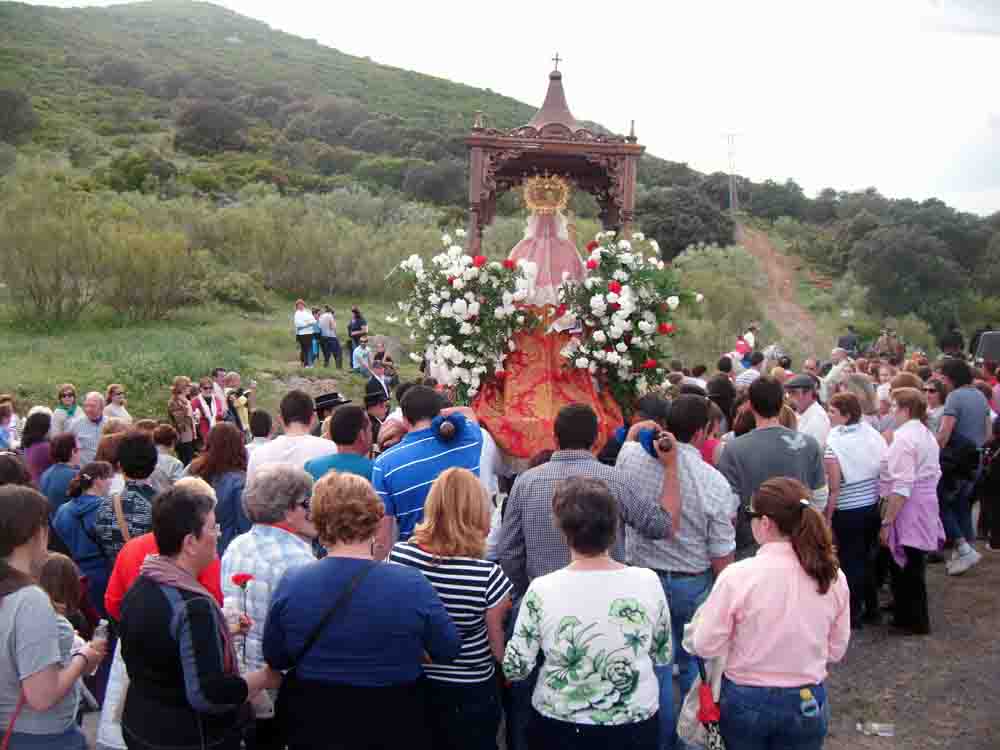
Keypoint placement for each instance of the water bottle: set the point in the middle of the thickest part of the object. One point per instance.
(100, 633)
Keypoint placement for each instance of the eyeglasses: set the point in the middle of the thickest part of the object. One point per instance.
(930, 390)
(117, 393)
(207, 388)
(67, 395)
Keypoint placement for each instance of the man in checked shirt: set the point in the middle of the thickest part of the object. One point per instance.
(531, 546)
(700, 547)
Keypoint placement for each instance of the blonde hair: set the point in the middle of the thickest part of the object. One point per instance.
(345, 508)
(180, 385)
(787, 417)
(456, 516)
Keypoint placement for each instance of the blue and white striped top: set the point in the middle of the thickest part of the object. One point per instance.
(403, 475)
(858, 451)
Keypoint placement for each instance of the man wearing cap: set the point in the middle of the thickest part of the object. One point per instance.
(325, 405)
(352, 433)
(377, 407)
(813, 419)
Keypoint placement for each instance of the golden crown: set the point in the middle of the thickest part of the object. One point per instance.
(546, 194)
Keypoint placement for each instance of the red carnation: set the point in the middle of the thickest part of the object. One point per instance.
(479, 261)
(593, 245)
(242, 579)
(649, 364)
(614, 286)
(509, 264)
(667, 328)
(592, 264)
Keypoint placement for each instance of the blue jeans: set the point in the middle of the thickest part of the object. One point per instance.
(463, 716)
(956, 511)
(71, 739)
(684, 595)
(761, 718)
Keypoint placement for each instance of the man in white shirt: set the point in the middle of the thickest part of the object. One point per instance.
(745, 378)
(813, 419)
(296, 446)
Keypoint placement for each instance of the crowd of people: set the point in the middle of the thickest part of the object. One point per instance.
(364, 576)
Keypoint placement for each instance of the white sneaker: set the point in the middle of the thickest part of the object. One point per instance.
(963, 562)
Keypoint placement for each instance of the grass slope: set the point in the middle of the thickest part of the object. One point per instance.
(146, 357)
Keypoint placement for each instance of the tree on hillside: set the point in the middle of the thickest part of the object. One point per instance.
(654, 172)
(771, 200)
(17, 115)
(207, 125)
(824, 208)
(907, 269)
(679, 217)
(965, 234)
(852, 203)
(119, 72)
(442, 183)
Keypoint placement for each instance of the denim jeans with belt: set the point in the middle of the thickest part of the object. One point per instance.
(684, 595)
(762, 718)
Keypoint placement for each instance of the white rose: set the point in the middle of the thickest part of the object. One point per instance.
(646, 327)
(458, 284)
(613, 358)
(589, 283)
(458, 308)
(624, 245)
(621, 346)
(599, 337)
(655, 245)
(673, 302)
(699, 297)
(582, 363)
(499, 313)
(473, 308)
(446, 310)
(638, 236)
(511, 345)
(459, 233)
(434, 299)
(612, 297)
(465, 329)
(520, 319)
(620, 275)
(446, 239)
(445, 294)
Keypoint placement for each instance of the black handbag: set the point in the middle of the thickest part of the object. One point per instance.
(281, 706)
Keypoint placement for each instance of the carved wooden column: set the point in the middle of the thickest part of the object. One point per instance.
(628, 177)
(474, 236)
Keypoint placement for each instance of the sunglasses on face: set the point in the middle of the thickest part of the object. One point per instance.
(67, 395)
(207, 389)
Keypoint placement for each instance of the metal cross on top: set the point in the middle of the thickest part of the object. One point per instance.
(557, 60)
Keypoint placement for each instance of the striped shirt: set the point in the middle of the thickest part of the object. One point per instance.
(403, 475)
(467, 587)
(854, 495)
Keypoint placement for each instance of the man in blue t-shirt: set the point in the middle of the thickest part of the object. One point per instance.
(403, 474)
(351, 430)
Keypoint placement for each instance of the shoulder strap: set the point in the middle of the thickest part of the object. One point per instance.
(13, 719)
(93, 538)
(116, 503)
(338, 605)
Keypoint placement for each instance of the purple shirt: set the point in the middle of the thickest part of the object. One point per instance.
(37, 459)
(912, 468)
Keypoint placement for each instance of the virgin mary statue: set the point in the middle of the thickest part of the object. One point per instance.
(520, 409)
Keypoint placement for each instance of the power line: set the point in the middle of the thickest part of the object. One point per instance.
(734, 203)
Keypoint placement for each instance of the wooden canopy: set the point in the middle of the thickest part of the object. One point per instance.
(553, 142)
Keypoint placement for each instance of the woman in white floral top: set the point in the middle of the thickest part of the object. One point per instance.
(601, 627)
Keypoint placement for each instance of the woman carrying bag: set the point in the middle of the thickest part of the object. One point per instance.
(779, 618)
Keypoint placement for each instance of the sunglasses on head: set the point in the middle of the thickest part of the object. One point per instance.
(753, 513)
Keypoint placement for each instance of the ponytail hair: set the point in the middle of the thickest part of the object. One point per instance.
(786, 502)
(87, 476)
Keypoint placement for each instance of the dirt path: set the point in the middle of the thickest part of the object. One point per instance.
(780, 305)
(940, 690)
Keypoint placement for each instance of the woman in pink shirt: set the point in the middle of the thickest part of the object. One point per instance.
(778, 618)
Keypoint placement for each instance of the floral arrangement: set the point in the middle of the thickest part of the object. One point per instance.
(624, 307)
(465, 309)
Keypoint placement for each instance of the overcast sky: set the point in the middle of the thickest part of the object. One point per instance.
(900, 94)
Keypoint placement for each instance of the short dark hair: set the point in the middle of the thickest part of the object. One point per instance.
(137, 454)
(725, 364)
(260, 423)
(653, 406)
(756, 358)
(177, 512)
(698, 370)
(297, 406)
(576, 427)
(165, 435)
(216, 371)
(402, 388)
(924, 372)
(61, 447)
(766, 396)
(420, 403)
(586, 513)
(957, 371)
(688, 414)
(347, 423)
(785, 361)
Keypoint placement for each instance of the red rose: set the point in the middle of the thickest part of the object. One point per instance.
(667, 328)
(451, 280)
(649, 364)
(593, 245)
(509, 264)
(242, 579)
(561, 310)
(614, 306)
(592, 264)
(614, 286)
(500, 374)
(479, 261)
(609, 348)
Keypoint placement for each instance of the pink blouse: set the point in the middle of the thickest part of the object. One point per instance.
(767, 617)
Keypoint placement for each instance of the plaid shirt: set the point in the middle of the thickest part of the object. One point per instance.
(708, 505)
(530, 544)
(265, 552)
